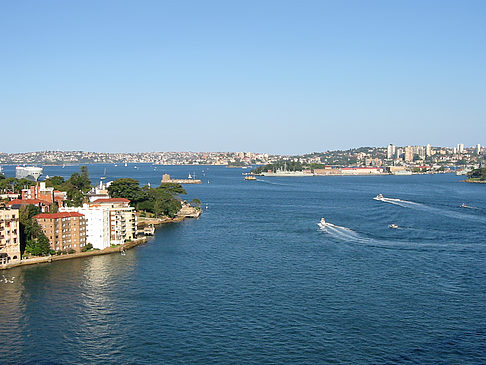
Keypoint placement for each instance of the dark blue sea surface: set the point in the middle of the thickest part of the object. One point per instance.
(255, 280)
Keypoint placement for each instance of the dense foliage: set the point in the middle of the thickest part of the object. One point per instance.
(14, 185)
(280, 165)
(478, 174)
(33, 240)
(160, 201)
(76, 186)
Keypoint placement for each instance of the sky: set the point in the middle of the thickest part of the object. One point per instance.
(274, 76)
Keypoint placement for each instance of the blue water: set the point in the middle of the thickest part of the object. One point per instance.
(255, 281)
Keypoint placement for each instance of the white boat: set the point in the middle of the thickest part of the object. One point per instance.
(322, 223)
(393, 226)
(379, 197)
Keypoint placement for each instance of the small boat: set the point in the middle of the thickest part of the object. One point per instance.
(379, 197)
(393, 226)
(123, 253)
(322, 223)
(250, 177)
(189, 176)
(104, 175)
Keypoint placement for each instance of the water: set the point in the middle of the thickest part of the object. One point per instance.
(255, 280)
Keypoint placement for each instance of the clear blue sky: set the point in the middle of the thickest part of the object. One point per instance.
(268, 76)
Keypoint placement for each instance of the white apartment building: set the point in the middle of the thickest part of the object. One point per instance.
(109, 221)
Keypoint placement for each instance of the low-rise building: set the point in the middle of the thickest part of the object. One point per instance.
(43, 205)
(65, 230)
(9, 236)
(42, 192)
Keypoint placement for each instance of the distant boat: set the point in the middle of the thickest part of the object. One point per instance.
(250, 177)
(126, 164)
(104, 175)
(393, 226)
(189, 176)
(322, 223)
(379, 197)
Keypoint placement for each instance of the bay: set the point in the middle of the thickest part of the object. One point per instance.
(255, 280)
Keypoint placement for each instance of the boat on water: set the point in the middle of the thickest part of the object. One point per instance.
(379, 197)
(393, 226)
(322, 223)
(250, 177)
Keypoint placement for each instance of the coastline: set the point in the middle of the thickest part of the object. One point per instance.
(109, 250)
(474, 181)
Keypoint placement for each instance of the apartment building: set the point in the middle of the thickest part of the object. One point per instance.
(42, 192)
(65, 230)
(122, 219)
(9, 236)
(109, 221)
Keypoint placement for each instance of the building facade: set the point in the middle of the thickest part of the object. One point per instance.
(65, 230)
(123, 222)
(42, 192)
(9, 236)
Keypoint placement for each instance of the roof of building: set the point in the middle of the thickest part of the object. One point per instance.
(112, 200)
(58, 215)
(28, 202)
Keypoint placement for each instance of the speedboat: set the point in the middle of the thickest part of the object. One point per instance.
(322, 223)
(379, 197)
(393, 226)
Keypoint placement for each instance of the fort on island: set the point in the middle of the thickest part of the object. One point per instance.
(166, 179)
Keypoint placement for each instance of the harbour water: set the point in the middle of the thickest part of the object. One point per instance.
(255, 280)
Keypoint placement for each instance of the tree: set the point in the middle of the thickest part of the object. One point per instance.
(34, 240)
(172, 188)
(127, 188)
(479, 174)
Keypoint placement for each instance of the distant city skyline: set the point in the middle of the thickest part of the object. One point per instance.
(278, 77)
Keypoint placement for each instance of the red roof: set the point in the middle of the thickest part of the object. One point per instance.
(58, 215)
(28, 202)
(112, 200)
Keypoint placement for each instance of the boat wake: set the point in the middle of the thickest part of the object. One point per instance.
(439, 211)
(343, 233)
(349, 236)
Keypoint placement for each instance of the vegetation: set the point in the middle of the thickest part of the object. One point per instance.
(477, 175)
(33, 240)
(160, 201)
(279, 165)
(76, 186)
(14, 185)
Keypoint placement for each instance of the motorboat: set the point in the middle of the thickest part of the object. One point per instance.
(322, 223)
(393, 226)
(250, 177)
(379, 197)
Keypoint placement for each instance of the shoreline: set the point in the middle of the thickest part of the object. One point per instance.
(106, 251)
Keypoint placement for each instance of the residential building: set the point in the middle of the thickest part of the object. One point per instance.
(44, 205)
(428, 150)
(390, 151)
(98, 231)
(9, 236)
(408, 154)
(123, 222)
(460, 148)
(478, 149)
(65, 230)
(99, 192)
(40, 191)
(110, 221)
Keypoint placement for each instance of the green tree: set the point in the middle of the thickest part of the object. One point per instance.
(127, 188)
